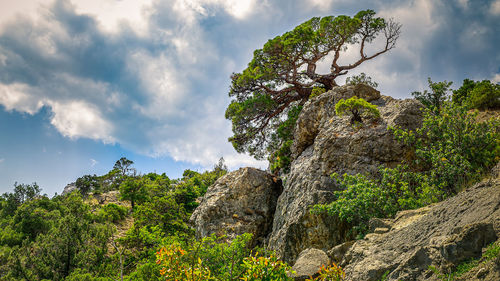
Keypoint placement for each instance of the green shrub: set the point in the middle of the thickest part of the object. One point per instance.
(358, 108)
(484, 95)
(452, 148)
(316, 91)
(264, 268)
(112, 212)
(460, 95)
(434, 99)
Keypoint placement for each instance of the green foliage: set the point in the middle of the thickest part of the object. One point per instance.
(362, 78)
(461, 94)
(88, 183)
(211, 258)
(331, 273)
(112, 212)
(358, 108)
(477, 95)
(362, 198)
(133, 190)
(283, 74)
(434, 99)
(316, 91)
(452, 147)
(280, 159)
(484, 95)
(264, 268)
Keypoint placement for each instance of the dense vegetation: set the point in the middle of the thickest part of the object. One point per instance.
(73, 237)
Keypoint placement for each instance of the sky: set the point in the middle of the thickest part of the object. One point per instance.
(85, 82)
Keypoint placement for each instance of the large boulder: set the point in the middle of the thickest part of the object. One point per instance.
(324, 144)
(309, 263)
(240, 202)
(443, 235)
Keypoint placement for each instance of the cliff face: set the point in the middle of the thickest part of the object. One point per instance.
(324, 144)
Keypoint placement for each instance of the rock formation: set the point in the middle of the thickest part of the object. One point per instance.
(240, 202)
(442, 235)
(325, 143)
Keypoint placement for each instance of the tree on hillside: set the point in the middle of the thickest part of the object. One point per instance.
(123, 165)
(283, 73)
(434, 99)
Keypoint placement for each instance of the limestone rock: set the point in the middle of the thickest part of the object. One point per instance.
(240, 202)
(442, 235)
(69, 188)
(325, 143)
(309, 263)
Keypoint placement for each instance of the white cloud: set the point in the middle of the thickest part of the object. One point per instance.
(93, 162)
(321, 4)
(496, 78)
(495, 7)
(112, 15)
(76, 119)
(15, 97)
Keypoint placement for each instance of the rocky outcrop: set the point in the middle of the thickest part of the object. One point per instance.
(309, 263)
(325, 143)
(442, 235)
(69, 188)
(240, 202)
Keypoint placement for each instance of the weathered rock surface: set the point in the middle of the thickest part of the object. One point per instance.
(240, 202)
(309, 263)
(325, 143)
(442, 235)
(69, 188)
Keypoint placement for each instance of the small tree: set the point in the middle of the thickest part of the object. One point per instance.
(132, 189)
(434, 100)
(357, 108)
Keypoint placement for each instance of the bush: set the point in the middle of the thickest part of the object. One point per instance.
(362, 198)
(358, 108)
(484, 95)
(112, 212)
(330, 273)
(212, 257)
(452, 148)
(435, 99)
(265, 269)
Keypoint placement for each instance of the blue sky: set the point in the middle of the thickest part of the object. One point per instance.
(83, 83)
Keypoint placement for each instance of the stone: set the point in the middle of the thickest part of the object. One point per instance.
(240, 202)
(69, 188)
(337, 253)
(309, 263)
(324, 144)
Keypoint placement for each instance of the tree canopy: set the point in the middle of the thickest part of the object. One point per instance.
(283, 73)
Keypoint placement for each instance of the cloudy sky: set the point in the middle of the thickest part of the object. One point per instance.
(85, 82)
